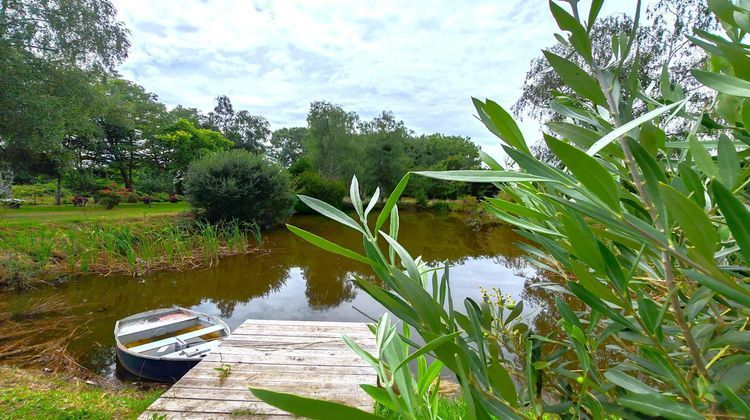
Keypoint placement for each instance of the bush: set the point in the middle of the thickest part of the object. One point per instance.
(237, 185)
(311, 184)
(112, 195)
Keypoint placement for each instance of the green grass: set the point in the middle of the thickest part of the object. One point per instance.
(29, 215)
(26, 394)
(448, 408)
(40, 243)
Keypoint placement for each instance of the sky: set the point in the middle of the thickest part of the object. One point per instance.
(422, 60)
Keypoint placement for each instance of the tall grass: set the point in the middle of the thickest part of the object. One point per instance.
(132, 248)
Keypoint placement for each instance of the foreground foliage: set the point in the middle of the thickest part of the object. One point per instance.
(647, 233)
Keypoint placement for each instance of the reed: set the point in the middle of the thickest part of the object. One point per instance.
(135, 248)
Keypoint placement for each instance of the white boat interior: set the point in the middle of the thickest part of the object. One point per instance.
(170, 333)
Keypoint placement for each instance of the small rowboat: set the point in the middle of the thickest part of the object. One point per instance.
(164, 344)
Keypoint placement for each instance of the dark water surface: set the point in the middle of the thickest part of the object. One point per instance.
(293, 280)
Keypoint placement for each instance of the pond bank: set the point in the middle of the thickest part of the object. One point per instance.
(44, 253)
(29, 393)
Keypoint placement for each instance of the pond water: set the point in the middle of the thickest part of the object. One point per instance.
(292, 279)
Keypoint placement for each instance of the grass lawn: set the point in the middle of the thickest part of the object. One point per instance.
(26, 394)
(29, 215)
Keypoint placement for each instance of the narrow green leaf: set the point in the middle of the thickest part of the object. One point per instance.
(659, 406)
(500, 123)
(582, 240)
(576, 78)
(728, 161)
(588, 171)
(328, 245)
(330, 212)
(578, 36)
(630, 125)
(628, 382)
(725, 287)
(392, 200)
(490, 161)
(693, 221)
(736, 215)
(702, 158)
(596, 6)
(406, 258)
(723, 83)
(482, 176)
(310, 408)
(598, 304)
(738, 403)
(502, 382)
(380, 395)
(427, 348)
(354, 196)
(373, 201)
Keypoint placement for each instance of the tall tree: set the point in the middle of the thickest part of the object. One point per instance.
(660, 41)
(81, 33)
(384, 159)
(246, 131)
(250, 132)
(286, 145)
(329, 139)
(130, 116)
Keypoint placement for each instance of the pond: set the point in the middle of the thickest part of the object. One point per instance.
(291, 279)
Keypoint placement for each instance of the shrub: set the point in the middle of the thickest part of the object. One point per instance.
(112, 195)
(312, 184)
(238, 185)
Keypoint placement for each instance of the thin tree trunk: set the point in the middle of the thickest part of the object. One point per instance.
(58, 190)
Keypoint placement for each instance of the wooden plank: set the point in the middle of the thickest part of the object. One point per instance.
(259, 378)
(267, 357)
(284, 367)
(206, 384)
(299, 357)
(223, 407)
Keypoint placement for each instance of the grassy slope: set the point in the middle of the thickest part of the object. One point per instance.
(30, 394)
(66, 213)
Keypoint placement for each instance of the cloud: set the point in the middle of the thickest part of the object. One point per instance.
(422, 60)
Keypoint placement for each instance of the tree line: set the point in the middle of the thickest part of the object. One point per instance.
(70, 119)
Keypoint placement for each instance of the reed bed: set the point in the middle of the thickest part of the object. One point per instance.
(35, 332)
(47, 252)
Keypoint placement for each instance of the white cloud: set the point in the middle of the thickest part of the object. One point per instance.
(422, 60)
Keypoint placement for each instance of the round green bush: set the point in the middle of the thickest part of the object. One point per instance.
(238, 185)
(310, 183)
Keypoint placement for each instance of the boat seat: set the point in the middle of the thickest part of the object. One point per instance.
(171, 340)
(193, 351)
(130, 331)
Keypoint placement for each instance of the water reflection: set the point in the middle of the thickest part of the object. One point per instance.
(295, 280)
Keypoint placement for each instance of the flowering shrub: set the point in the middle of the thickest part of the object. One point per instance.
(112, 195)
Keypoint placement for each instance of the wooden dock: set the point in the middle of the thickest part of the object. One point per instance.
(302, 357)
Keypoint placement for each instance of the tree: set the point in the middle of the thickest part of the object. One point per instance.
(440, 152)
(384, 157)
(78, 33)
(662, 41)
(329, 139)
(287, 145)
(180, 144)
(130, 116)
(51, 52)
(249, 132)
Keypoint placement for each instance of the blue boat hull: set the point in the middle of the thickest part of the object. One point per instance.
(153, 369)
